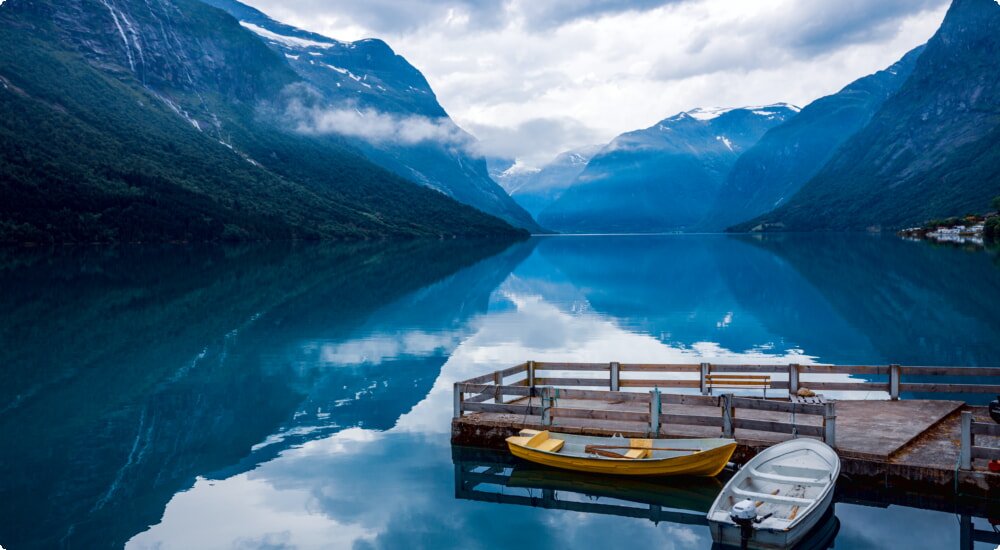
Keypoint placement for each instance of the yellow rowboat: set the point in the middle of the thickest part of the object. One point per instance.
(621, 456)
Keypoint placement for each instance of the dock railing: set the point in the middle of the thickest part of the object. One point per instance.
(970, 451)
(515, 390)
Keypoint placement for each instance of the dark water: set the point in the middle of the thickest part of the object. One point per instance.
(299, 396)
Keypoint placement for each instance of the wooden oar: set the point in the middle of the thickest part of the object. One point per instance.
(590, 448)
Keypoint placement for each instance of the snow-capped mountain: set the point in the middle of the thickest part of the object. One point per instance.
(384, 106)
(536, 189)
(662, 178)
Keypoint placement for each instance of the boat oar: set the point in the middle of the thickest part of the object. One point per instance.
(592, 448)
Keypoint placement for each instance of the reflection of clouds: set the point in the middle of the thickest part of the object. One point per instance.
(538, 330)
(379, 348)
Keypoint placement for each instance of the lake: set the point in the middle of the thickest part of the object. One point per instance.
(299, 395)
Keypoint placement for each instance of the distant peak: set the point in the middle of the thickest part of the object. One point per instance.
(710, 113)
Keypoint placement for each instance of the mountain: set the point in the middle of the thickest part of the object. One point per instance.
(933, 149)
(385, 107)
(662, 178)
(774, 169)
(534, 190)
(128, 120)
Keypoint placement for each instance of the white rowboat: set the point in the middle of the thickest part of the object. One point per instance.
(777, 497)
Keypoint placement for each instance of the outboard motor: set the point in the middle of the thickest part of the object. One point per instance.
(744, 514)
(995, 410)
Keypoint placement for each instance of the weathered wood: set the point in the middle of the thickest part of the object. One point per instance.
(626, 383)
(989, 453)
(514, 370)
(777, 406)
(845, 369)
(984, 428)
(484, 379)
(592, 414)
(847, 386)
(457, 399)
(779, 369)
(793, 378)
(486, 396)
(951, 371)
(615, 379)
(602, 395)
(595, 367)
(965, 458)
(529, 410)
(632, 367)
(572, 382)
(481, 388)
(894, 376)
(777, 427)
(691, 420)
(950, 388)
(695, 400)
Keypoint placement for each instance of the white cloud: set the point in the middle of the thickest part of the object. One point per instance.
(612, 67)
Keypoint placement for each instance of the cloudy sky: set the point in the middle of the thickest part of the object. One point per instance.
(532, 78)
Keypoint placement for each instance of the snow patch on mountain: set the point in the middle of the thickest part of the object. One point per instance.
(290, 41)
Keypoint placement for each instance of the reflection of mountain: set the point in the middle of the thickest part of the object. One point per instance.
(920, 305)
(686, 290)
(137, 369)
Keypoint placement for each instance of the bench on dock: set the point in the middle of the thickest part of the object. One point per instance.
(738, 381)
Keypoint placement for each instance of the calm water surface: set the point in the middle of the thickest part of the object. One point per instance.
(299, 396)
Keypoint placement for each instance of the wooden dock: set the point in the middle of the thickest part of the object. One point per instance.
(922, 445)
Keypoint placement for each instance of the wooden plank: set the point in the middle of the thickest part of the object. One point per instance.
(523, 391)
(609, 396)
(594, 367)
(592, 414)
(529, 410)
(691, 420)
(950, 371)
(778, 406)
(480, 398)
(776, 427)
(570, 382)
(989, 453)
(626, 383)
(985, 428)
(750, 368)
(845, 369)
(845, 386)
(486, 378)
(634, 367)
(694, 400)
(950, 388)
(523, 367)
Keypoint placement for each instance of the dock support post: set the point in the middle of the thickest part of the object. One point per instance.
(727, 415)
(966, 458)
(531, 374)
(615, 375)
(547, 406)
(654, 412)
(793, 379)
(458, 401)
(830, 424)
(705, 367)
(966, 540)
(497, 383)
(894, 382)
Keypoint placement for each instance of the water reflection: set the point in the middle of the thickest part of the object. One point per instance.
(300, 395)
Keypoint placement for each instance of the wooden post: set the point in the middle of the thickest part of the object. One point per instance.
(966, 538)
(894, 382)
(497, 383)
(547, 406)
(654, 412)
(793, 379)
(459, 397)
(966, 457)
(830, 424)
(531, 374)
(704, 374)
(728, 414)
(615, 375)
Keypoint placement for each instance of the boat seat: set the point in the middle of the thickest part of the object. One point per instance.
(800, 472)
(768, 476)
(644, 452)
(768, 497)
(550, 445)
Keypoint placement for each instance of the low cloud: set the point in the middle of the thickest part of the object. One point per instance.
(535, 142)
(304, 113)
